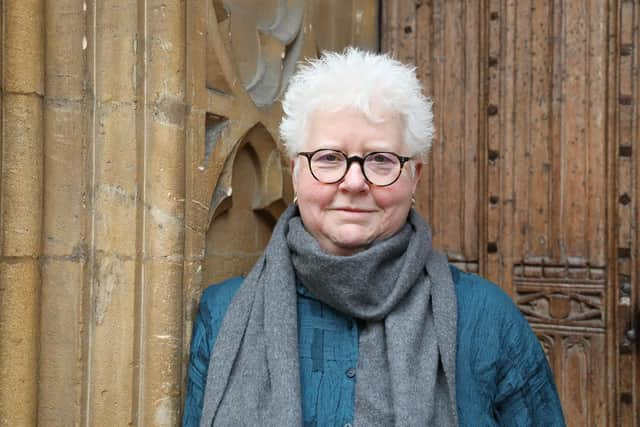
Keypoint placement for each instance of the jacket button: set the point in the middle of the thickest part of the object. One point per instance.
(351, 372)
(347, 425)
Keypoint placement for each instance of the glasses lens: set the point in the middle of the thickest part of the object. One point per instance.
(328, 166)
(382, 168)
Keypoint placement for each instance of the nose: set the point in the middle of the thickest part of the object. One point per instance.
(354, 179)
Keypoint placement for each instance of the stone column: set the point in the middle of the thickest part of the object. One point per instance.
(21, 209)
(162, 137)
(113, 231)
(65, 227)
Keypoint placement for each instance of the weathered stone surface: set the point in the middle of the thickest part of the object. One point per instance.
(22, 175)
(24, 53)
(164, 195)
(21, 209)
(66, 199)
(116, 31)
(115, 183)
(162, 340)
(112, 354)
(19, 320)
(66, 47)
(61, 365)
(163, 230)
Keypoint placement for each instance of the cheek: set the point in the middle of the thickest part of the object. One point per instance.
(312, 194)
(393, 201)
(313, 201)
(396, 206)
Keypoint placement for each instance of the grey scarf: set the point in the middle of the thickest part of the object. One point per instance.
(399, 287)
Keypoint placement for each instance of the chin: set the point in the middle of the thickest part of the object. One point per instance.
(350, 246)
(340, 249)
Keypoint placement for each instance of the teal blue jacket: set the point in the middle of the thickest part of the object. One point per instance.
(502, 375)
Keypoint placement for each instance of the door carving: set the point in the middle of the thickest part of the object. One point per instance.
(533, 180)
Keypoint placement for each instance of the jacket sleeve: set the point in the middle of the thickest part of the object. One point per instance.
(213, 305)
(501, 368)
(526, 392)
(197, 372)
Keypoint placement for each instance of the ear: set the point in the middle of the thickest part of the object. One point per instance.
(417, 174)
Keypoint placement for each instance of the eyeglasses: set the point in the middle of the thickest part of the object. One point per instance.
(379, 168)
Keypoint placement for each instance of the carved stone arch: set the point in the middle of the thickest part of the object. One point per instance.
(270, 179)
(251, 193)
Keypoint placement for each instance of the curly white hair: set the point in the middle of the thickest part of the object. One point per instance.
(356, 79)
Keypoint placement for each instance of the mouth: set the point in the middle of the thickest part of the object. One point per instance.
(353, 210)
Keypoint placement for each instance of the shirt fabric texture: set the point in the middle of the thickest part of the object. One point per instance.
(503, 378)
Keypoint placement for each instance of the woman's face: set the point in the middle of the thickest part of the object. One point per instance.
(347, 216)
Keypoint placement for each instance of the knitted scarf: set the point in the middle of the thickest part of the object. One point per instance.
(399, 287)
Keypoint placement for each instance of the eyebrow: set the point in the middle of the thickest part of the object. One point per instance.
(374, 148)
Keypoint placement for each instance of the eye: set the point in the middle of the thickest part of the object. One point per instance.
(382, 159)
(328, 157)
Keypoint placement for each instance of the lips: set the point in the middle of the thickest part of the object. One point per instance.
(354, 210)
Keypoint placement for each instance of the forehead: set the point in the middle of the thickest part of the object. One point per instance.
(352, 131)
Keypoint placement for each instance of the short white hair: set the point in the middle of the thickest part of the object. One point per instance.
(360, 80)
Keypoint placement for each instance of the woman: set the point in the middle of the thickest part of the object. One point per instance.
(350, 317)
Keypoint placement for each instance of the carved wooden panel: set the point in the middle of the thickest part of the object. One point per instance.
(561, 295)
(533, 178)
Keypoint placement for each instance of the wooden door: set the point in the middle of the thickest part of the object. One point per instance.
(534, 177)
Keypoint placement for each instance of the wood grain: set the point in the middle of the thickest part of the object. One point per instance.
(533, 177)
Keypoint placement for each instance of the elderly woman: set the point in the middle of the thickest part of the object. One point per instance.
(350, 316)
